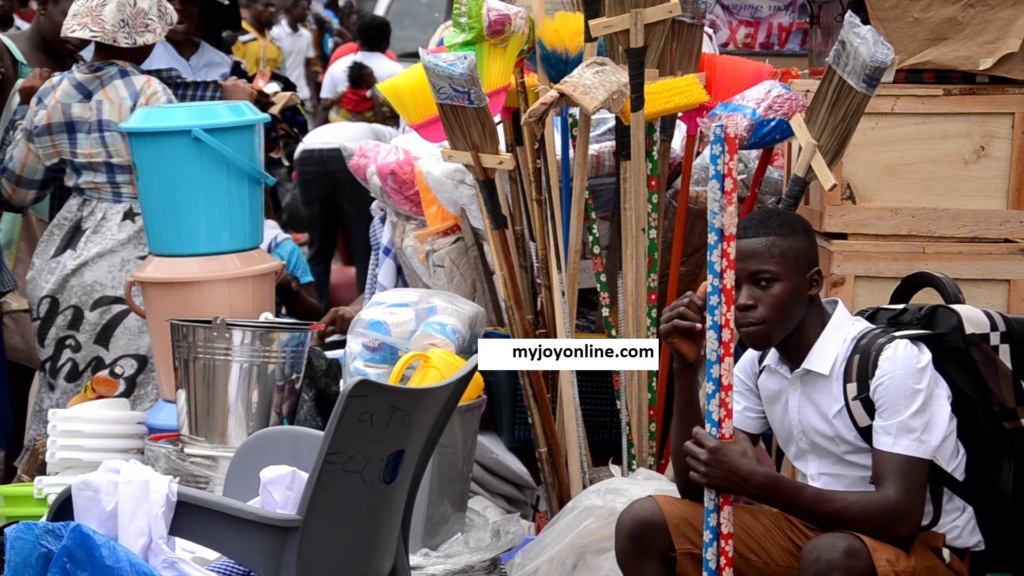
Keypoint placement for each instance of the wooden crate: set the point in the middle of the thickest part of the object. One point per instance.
(929, 161)
(863, 273)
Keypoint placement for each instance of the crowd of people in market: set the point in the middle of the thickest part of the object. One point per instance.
(71, 227)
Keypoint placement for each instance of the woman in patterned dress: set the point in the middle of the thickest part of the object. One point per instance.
(69, 135)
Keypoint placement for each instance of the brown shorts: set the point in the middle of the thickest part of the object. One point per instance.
(768, 543)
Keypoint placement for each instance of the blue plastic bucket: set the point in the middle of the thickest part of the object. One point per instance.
(199, 174)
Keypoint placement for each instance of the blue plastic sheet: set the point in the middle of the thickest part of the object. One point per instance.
(67, 549)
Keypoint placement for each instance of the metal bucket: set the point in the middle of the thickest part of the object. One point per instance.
(236, 377)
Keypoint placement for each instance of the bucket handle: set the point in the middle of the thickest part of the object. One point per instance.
(128, 285)
(399, 369)
(233, 157)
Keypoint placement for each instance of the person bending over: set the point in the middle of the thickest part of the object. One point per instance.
(855, 509)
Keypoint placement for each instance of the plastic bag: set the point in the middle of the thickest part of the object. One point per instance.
(406, 319)
(475, 551)
(389, 173)
(467, 23)
(580, 540)
(502, 21)
(761, 114)
(67, 549)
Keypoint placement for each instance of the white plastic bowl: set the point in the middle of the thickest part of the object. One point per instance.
(84, 430)
(97, 417)
(63, 460)
(96, 444)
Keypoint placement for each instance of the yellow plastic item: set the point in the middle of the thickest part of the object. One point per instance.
(436, 365)
(670, 96)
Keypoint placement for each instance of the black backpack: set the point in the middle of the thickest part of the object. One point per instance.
(980, 354)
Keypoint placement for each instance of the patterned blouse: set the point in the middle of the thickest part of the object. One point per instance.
(70, 134)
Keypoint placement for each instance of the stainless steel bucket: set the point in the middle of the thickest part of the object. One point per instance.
(236, 377)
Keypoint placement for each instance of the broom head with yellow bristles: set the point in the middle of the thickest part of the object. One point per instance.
(670, 96)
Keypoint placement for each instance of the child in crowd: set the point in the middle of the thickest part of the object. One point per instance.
(357, 103)
(857, 509)
(295, 292)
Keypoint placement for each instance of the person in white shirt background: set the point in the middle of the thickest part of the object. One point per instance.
(374, 37)
(194, 58)
(335, 200)
(856, 509)
(291, 35)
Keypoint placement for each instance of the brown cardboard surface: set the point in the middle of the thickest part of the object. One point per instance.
(982, 36)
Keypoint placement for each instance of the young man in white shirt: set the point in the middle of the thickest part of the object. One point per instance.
(856, 510)
(291, 35)
(374, 37)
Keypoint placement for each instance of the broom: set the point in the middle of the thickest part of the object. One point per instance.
(560, 43)
(535, 202)
(725, 77)
(469, 125)
(656, 34)
(408, 93)
(855, 68)
(663, 99)
(728, 75)
(685, 43)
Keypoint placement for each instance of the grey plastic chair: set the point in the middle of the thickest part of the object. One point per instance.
(355, 513)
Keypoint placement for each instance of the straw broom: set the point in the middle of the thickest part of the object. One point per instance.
(469, 126)
(581, 180)
(531, 170)
(685, 43)
(855, 68)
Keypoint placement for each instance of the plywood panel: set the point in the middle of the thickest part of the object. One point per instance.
(991, 294)
(947, 160)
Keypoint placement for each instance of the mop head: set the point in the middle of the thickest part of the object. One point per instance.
(669, 97)
(560, 44)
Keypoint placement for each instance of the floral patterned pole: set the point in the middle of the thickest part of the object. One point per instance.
(653, 186)
(728, 333)
(712, 343)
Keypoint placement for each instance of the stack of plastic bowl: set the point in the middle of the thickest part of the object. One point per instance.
(84, 436)
(204, 226)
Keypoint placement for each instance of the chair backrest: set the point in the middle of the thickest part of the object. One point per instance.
(358, 502)
(278, 445)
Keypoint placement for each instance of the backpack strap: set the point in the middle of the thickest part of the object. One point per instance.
(858, 376)
(761, 357)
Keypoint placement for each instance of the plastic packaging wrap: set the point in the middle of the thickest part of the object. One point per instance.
(407, 319)
(761, 114)
(861, 55)
(42, 548)
(580, 540)
(454, 78)
(202, 471)
(502, 21)
(475, 551)
(453, 186)
(771, 185)
(467, 23)
(389, 173)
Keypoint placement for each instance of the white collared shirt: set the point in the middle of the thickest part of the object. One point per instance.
(806, 412)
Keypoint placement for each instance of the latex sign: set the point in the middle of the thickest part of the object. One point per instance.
(759, 25)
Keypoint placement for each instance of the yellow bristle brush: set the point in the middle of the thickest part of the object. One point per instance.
(408, 93)
(410, 96)
(670, 96)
